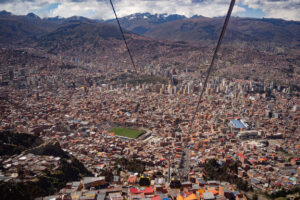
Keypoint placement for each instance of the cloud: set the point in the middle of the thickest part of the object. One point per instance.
(4, 1)
(287, 9)
(20, 7)
(209, 8)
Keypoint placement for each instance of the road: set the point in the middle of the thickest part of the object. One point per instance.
(184, 167)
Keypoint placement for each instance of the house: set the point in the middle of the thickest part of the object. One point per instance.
(225, 192)
(89, 195)
(115, 196)
(97, 182)
(295, 161)
(244, 135)
(208, 196)
(213, 183)
(201, 182)
(132, 179)
(193, 196)
(186, 184)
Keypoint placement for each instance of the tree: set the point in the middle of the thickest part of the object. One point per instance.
(144, 181)
(255, 197)
(21, 173)
(175, 184)
(267, 143)
(108, 175)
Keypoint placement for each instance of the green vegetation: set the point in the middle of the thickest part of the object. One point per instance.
(131, 165)
(226, 172)
(175, 184)
(109, 176)
(144, 181)
(11, 143)
(126, 132)
(283, 193)
(255, 197)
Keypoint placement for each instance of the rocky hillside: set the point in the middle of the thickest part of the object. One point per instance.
(30, 184)
(11, 144)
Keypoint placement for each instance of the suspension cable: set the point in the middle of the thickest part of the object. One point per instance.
(123, 36)
(212, 62)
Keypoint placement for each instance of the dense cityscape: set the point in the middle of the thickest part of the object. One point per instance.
(253, 123)
(89, 111)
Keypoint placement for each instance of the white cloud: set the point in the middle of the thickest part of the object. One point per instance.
(187, 8)
(68, 9)
(102, 9)
(212, 8)
(24, 7)
(287, 9)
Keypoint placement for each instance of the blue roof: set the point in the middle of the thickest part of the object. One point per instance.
(237, 123)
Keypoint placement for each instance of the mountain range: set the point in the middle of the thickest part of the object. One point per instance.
(268, 47)
(162, 26)
(206, 30)
(15, 29)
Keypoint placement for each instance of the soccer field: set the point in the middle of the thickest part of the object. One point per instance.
(126, 132)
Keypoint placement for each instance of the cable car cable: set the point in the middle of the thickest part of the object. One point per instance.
(212, 62)
(123, 36)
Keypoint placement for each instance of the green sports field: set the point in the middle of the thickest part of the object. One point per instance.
(126, 132)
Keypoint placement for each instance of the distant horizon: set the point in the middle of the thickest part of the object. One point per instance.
(101, 9)
(61, 17)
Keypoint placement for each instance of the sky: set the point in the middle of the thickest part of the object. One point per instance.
(100, 9)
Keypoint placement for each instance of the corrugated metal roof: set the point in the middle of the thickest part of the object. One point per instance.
(237, 123)
(208, 195)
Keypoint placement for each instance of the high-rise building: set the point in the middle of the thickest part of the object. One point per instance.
(11, 73)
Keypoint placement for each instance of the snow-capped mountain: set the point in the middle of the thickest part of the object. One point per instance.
(141, 22)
